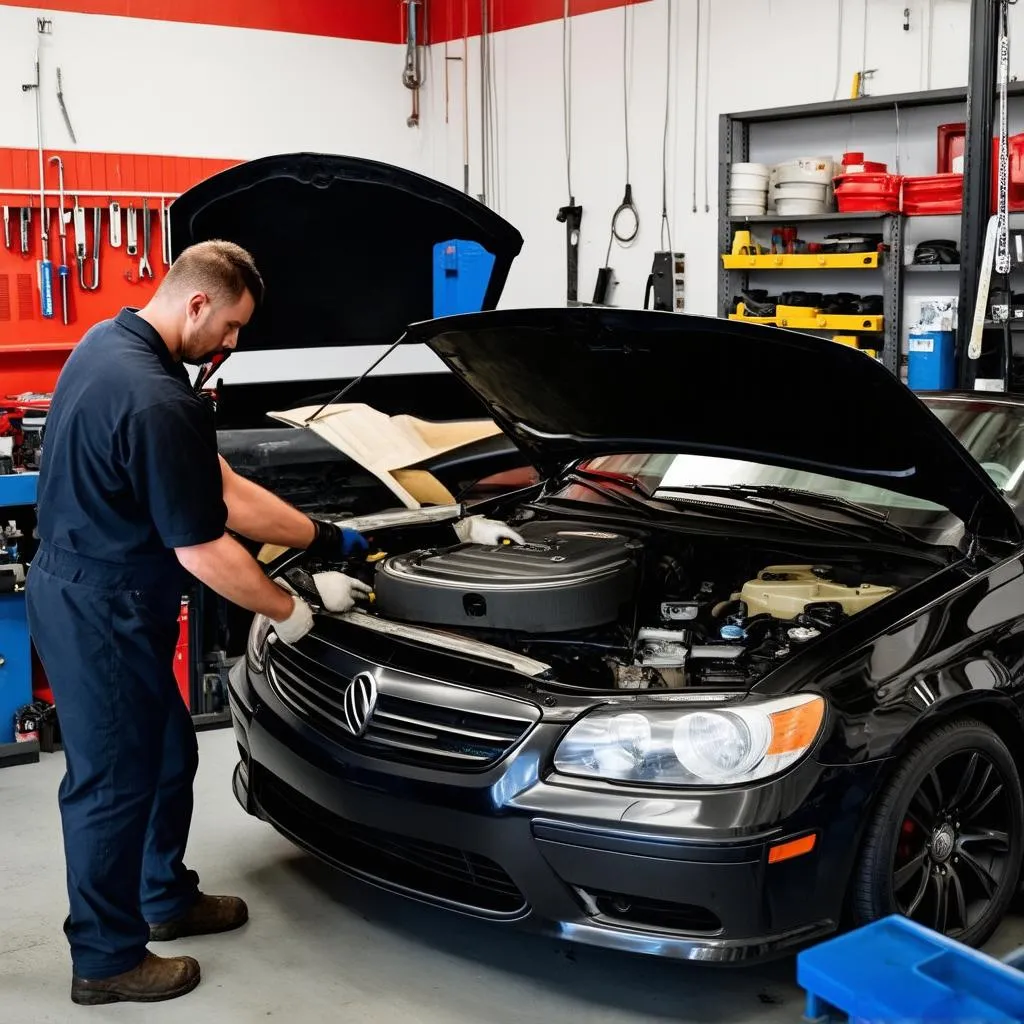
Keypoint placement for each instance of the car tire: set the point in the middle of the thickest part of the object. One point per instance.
(968, 865)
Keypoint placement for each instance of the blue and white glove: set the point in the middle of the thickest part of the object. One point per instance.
(331, 541)
(338, 593)
(488, 532)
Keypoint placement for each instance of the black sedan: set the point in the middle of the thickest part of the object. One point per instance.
(753, 675)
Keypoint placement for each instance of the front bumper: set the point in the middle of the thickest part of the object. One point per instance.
(683, 876)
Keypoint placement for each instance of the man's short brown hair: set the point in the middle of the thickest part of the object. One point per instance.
(222, 269)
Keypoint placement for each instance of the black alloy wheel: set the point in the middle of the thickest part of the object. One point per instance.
(945, 843)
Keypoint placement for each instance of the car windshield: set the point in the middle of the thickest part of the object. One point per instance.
(991, 431)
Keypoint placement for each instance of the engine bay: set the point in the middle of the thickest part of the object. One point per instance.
(627, 609)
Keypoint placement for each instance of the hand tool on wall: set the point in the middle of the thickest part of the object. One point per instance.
(132, 244)
(97, 234)
(115, 224)
(79, 219)
(26, 223)
(62, 227)
(572, 216)
(165, 232)
(63, 107)
(7, 227)
(145, 270)
(45, 267)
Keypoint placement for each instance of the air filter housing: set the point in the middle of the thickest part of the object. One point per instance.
(568, 576)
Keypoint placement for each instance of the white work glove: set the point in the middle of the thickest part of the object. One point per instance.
(339, 592)
(489, 532)
(298, 624)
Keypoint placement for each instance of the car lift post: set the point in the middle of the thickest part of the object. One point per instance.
(977, 201)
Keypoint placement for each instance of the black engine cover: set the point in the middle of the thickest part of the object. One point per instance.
(568, 576)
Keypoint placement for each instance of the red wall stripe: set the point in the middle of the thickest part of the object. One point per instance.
(370, 20)
(381, 21)
(448, 18)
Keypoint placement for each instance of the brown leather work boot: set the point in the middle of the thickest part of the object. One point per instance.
(207, 915)
(155, 979)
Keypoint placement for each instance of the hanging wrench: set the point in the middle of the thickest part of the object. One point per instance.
(97, 232)
(145, 270)
(165, 232)
(78, 217)
(132, 243)
(115, 224)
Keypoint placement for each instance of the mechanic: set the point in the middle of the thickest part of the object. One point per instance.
(132, 496)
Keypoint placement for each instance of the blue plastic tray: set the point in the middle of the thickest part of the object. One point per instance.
(896, 970)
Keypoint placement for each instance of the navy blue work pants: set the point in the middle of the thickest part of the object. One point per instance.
(107, 646)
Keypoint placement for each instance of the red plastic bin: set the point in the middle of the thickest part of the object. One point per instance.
(866, 192)
(933, 194)
(951, 142)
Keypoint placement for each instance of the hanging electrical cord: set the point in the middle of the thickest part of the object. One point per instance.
(571, 215)
(864, 41)
(493, 99)
(624, 238)
(696, 83)
(839, 48)
(707, 103)
(666, 226)
(485, 167)
(567, 94)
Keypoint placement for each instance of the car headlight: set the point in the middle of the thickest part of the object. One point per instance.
(256, 645)
(695, 746)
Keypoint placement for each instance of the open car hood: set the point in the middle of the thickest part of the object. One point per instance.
(346, 246)
(566, 384)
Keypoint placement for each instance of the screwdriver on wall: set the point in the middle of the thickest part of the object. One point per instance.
(62, 227)
(26, 223)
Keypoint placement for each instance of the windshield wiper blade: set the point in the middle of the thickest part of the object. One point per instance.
(628, 500)
(771, 493)
(745, 494)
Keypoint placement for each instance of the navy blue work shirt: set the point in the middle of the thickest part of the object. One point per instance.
(129, 466)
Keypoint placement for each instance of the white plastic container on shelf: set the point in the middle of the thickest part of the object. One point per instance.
(799, 207)
(801, 190)
(806, 169)
(749, 176)
(746, 210)
(753, 197)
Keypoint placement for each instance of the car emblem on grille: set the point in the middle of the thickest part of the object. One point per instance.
(358, 703)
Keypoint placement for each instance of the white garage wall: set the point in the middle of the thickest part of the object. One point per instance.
(133, 85)
(753, 54)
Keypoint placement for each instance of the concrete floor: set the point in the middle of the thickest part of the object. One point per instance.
(320, 947)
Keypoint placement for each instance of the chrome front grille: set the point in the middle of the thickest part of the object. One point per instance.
(413, 720)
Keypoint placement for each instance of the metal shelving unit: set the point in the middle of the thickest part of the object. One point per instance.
(734, 146)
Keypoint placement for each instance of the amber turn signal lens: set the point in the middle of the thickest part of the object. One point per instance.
(792, 848)
(796, 728)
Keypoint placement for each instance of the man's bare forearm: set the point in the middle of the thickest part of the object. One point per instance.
(227, 568)
(259, 515)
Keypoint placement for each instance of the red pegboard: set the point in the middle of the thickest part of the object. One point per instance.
(32, 347)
